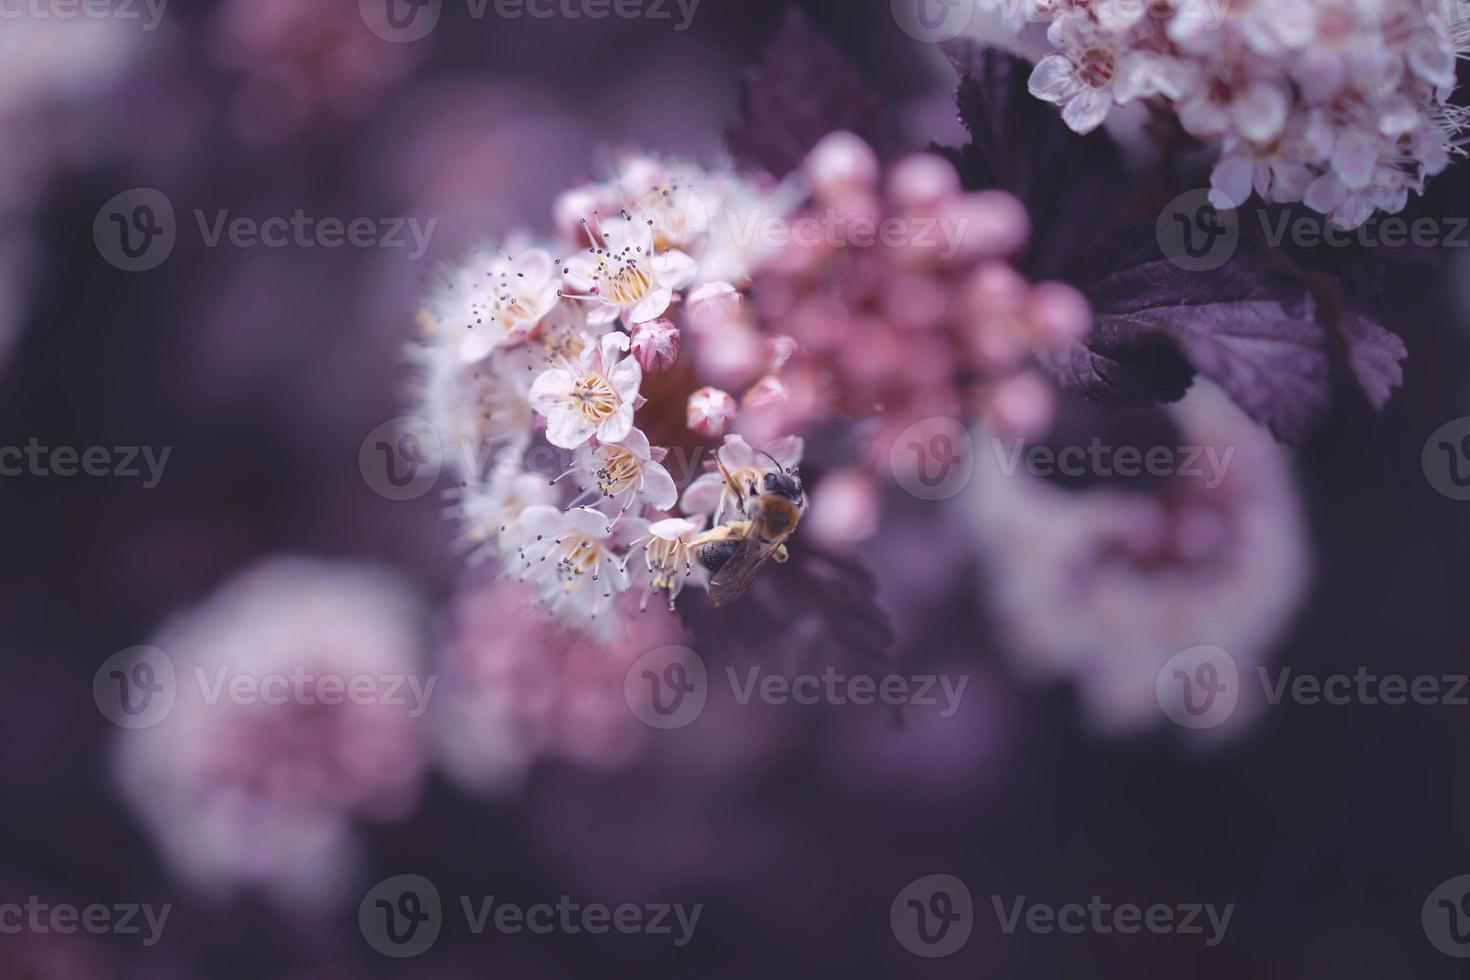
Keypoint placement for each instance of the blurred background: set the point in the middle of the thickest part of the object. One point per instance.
(262, 373)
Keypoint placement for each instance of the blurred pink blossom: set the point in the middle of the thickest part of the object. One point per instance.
(304, 65)
(264, 788)
(517, 691)
(1103, 586)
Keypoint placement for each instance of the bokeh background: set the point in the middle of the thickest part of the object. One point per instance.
(265, 369)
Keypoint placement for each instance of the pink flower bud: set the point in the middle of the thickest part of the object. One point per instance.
(729, 355)
(921, 182)
(710, 411)
(768, 392)
(1058, 314)
(779, 350)
(841, 165)
(712, 304)
(987, 225)
(656, 345)
(1021, 405)
(844, 508)
(994, 301)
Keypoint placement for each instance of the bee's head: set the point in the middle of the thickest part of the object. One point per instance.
(784, 483)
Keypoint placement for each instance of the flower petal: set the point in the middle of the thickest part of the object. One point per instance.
(1054, 79)
(652, 306)
(703, 495)
(1087, 110)
(616, 427)
(567, 429)
(658, 486)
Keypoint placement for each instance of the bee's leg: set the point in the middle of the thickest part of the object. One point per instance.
(732, 488)
(781, 554)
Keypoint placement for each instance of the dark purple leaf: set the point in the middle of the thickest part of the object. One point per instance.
(1245, 326)
(1122, 370)
(1347, 283)
(1070, 184)
(1249, 326)
(802, 90)
(816, 609)
(1375, 356)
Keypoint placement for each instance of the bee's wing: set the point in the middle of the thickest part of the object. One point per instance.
(731, 581)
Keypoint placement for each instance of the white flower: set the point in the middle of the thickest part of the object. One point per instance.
(490, 511)
(593, 396)
(1346, 97)
(495, 300)
(622, 274)
(566, 557)
(743, 214)
(670, 198)
(1256, 109)
(709, 494)
(624, 471)
(1080, 79)
(473, 407)
(1348, 208)
(663, 560)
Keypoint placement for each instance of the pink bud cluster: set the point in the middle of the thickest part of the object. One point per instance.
(926, 318)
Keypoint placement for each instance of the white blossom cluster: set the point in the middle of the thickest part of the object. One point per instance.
(1340, 104)
(545, 349)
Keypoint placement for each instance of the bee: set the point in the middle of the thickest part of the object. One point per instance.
(771, 503)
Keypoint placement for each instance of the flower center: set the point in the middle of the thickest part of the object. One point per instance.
(594, 398)
(628, 285)
(618, 472)
(579, 558)
(510, 315)
(1096, 69)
